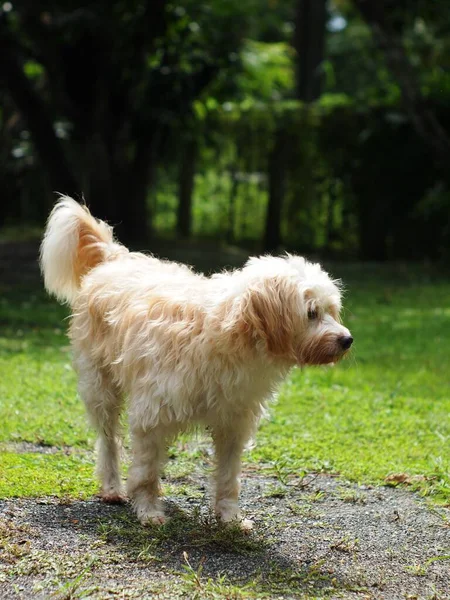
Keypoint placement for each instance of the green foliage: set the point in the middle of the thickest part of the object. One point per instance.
(346, 192)
(33, 69)
(222, 73)
(355, 68)
(268, 70)
(342, 177)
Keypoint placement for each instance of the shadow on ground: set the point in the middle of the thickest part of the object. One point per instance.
(328, 539)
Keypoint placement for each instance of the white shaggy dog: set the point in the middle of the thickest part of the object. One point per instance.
(183, 348)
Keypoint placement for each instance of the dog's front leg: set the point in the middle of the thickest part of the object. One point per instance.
(143, 479)
(229, 445)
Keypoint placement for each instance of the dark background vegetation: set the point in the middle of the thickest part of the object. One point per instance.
(314, 126)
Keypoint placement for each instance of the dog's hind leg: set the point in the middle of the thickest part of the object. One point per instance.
(103, 402)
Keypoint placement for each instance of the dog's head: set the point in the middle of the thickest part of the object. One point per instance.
(290, 309)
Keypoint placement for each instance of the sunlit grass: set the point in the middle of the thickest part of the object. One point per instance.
(384, 410)
(32, 474)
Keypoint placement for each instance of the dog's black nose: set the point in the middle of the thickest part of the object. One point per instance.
(346, 341)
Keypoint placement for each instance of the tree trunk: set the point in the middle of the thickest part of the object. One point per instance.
(230, 236)
(186, 180)
(135, 218)
(309, 43)
(277, 185)
(373, 233)
(375, 208)
(329, 226)
(98, 189)
(48, 146)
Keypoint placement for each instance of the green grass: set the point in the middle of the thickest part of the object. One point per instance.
(37, 384)
(384, 410)
(32, 474)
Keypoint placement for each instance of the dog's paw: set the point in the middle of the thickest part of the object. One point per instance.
(149, 511)
(152, 518)
(227, 512)
(246, 525)
(112, 497)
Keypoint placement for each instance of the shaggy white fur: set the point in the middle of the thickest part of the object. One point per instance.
(183, 348)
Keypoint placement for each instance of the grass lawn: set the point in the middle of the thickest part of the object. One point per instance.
(384, 410)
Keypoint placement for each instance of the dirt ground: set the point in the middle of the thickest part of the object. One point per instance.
(322, 539)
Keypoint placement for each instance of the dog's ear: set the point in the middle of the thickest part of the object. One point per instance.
(269, 312)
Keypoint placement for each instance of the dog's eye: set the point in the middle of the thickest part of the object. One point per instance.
(312, 314)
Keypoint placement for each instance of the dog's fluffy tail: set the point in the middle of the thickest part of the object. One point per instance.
(74, 243)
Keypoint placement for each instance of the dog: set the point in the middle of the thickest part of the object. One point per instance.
(183, 348)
